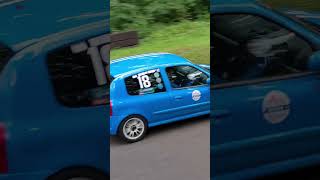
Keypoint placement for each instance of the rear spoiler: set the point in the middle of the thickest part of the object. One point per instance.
(124, 39)
(121, 40)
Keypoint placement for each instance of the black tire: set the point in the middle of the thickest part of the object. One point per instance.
(123, 123)
(86, 173)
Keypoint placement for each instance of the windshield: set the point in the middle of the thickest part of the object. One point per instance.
(305, 23)
(241, 28)
(205, 67)
(296, 19)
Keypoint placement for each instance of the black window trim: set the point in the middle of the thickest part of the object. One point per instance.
(263, 80)
(7, 59)
(189, 87)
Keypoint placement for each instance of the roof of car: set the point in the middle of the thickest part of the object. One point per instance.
(132, 63)
(218, 2)
(60, 39)
(237, 4)
(23, 22)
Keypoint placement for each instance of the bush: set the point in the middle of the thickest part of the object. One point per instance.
(144, 15)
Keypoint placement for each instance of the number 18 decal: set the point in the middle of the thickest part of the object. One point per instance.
(144, 81)
(98, 51)
(144, 78)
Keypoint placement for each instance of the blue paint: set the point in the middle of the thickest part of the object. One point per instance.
(243, 143)
(157, 108)
(44, 136)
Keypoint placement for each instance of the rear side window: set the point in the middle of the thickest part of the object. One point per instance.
(74, 79)
(148, 82)
(5, 55)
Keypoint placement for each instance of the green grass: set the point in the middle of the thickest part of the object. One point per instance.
(190, 39)
(313, 5)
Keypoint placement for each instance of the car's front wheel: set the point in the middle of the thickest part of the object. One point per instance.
(133, 129)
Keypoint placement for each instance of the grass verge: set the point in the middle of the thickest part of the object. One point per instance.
(190, 39)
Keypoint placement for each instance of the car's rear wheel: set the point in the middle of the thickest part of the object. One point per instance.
(133, 129)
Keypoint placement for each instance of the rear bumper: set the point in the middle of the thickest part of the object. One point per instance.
(114, 124)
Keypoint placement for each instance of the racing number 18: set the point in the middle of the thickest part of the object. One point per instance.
(99, 54)
(144, 81)
(144, 78)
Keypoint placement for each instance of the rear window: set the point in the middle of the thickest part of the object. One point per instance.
(5, 55)
(148, 82)
(74, 79)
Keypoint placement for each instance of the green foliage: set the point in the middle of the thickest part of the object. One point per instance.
(190, 39)
(176, 26)
(143, 15)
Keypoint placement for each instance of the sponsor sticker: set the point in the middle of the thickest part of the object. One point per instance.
(196, 95)
(276, 107)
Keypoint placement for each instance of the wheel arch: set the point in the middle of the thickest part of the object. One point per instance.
(79, 168)
(133, 115)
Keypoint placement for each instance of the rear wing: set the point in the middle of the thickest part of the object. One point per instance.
(121, 40)
(124, 39)
(117, 41)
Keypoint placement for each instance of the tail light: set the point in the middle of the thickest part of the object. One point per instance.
(110, 108)
(3, 150)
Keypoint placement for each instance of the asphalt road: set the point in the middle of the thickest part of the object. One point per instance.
(178, 151)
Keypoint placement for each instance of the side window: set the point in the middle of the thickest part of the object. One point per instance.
(147, 82)
(74, 79)
(186, 76)
(248, 47)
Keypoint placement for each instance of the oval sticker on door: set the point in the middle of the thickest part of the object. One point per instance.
(196, 95)
(276, 107)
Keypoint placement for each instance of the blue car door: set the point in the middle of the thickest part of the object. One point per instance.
(259, 105)
(81, 100)
(234, 117)
(289, 118)
(190, 91)
(149, 92)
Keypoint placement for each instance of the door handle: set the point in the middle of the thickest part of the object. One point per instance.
(178, 97)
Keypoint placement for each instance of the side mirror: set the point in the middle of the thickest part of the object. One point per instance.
(208, 81)
(314, 62)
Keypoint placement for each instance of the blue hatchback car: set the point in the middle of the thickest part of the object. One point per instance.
(153, 89)
(265, 97)
(53, 92)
